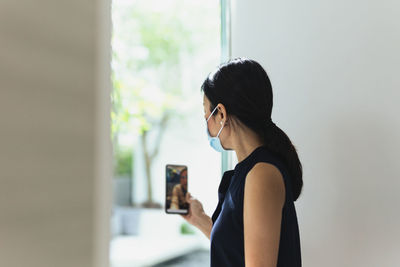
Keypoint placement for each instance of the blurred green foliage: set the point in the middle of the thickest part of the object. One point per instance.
(123, 159)
(148, 45)
(186, 229)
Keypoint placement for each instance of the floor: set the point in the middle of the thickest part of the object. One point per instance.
(198, 258)
(129, 251)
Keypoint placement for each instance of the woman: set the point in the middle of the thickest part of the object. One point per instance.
(255, 222)
(178, 200)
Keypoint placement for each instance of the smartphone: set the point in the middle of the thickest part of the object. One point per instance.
(176, 189)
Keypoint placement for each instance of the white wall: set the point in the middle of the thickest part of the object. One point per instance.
(54, 133)
(334, 67)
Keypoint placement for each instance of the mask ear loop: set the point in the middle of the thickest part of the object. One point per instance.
(220, 129)
(212, 113)
(221, 121)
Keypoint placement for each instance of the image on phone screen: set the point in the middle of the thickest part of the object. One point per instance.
(176, 189)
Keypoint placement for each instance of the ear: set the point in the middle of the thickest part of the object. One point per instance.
(222, 116)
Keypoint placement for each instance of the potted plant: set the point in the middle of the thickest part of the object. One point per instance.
(122, 176)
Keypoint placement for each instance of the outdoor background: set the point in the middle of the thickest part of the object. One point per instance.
(161, 53)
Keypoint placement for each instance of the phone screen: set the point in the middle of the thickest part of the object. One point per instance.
(176, 189)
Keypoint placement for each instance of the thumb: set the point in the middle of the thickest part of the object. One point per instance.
(188, 197)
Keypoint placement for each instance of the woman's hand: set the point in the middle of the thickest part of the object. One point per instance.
(197, 216)
(196, 211)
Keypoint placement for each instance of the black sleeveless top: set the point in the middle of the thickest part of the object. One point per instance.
(227, 238)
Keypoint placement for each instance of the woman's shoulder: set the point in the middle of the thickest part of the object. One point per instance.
(265, 155)
(264, 175)
(265, 162)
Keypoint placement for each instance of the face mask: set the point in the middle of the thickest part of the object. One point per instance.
(214, 141)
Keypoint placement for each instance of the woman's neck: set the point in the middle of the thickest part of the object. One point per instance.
(245, 142)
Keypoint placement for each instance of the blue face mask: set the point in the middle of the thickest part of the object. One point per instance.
(214, 141)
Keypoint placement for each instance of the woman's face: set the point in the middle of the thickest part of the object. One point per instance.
(183, 178)
(212, 127)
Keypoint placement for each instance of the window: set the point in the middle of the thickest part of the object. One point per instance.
(162, 52)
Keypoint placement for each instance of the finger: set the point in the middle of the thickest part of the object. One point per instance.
(185, 216)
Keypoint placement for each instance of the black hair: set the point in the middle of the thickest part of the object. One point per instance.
(243, 87)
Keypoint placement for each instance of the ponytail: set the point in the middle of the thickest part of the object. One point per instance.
(279, 143)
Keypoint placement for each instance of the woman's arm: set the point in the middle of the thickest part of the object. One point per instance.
(264, 197)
